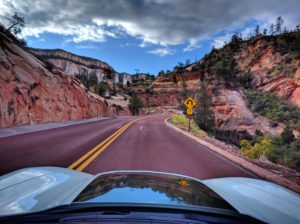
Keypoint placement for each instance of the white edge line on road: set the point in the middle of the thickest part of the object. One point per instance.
(265, 174)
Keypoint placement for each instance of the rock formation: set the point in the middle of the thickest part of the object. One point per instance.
(270, 69)
(33, 90)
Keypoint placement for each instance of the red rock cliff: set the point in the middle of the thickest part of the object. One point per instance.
(34, 91)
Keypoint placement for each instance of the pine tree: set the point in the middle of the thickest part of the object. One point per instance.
(108, 72)
(204, 116)
(180, 70)
(184, 89)
(287, 135)
(101, 88)
(279, 23)
(92, 78)
(271, 29)
(256, 30)
(17, 24)
(265, 32)
(135, 104)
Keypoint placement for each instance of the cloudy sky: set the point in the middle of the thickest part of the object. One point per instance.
(148, 35)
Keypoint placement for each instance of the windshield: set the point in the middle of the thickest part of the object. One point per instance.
(204, 89)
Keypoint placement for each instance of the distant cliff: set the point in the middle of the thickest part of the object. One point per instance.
(72, 64)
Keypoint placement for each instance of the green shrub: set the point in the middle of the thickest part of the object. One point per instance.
(245, 80)
(276, 109)
(258, 149)
(182, 120)
(274, 148)
(101, 88)
(135, 104)
(287, 135)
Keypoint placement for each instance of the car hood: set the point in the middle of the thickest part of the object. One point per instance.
(263, 200)
(37, 189)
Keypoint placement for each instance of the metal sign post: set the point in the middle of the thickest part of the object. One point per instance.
(189, 103)
(189, 123)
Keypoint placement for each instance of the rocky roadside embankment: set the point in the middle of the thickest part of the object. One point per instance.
(35, 91)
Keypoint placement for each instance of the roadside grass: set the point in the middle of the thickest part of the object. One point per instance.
(181, 120)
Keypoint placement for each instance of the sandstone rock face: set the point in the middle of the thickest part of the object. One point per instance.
(35, 91)
(271, 71)
(231, 113)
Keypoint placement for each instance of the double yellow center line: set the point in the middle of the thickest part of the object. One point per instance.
(87, 158)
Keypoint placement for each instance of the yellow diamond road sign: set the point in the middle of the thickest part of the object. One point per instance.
(190, 103)
(189, 111)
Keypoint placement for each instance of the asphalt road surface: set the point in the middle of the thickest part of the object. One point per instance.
(123, 143)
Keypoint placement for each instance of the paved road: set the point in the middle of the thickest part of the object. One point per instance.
(146, 144)
(54, 147)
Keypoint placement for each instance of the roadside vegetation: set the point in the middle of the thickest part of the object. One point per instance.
(135, 104)
(204, 116)
(220, 67)
(283, 149)
(181, 120)
(274, 108)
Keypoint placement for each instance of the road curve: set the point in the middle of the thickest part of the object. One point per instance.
(150, 145)
(147, 144)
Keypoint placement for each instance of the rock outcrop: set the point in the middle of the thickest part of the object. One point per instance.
(271, 69)
(34, 91)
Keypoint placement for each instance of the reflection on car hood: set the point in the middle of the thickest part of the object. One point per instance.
(36, 189)
(150, 188)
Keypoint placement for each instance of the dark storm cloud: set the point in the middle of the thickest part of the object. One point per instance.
(164, 22)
